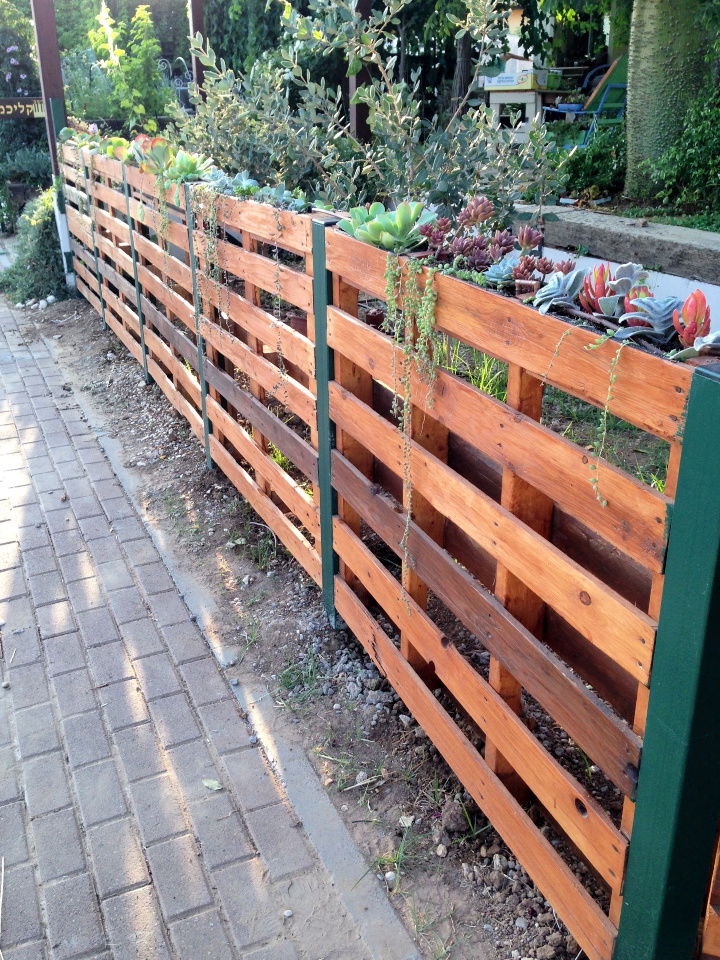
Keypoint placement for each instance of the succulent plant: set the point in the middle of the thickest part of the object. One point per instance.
(692, 320)
(396, 230)
(709, 344)
(544, 266)
(595, 286)
(561, 289)
(500, 274)
(627, 276)
(279, 196)
(436, 233)
(525, 268)
(187, 167)
(637, 293)
(528, 238)
(151, 154)
(476, 211)
(472, 250)
(565, 266)
(656, 314)
(501, 243)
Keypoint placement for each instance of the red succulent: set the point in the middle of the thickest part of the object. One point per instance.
(595, 285)
(565, 266)
(525, 268)
(476, 211)
(529, 238)
(693, 319)
(544, 266)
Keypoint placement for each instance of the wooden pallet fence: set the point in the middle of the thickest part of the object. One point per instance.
(528, 594)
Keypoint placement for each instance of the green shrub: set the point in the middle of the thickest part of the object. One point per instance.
(600, 166)
(89, 93)
(29, 165)
(688, 174)
(38, 268)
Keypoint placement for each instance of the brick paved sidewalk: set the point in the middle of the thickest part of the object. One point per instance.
(113, 713)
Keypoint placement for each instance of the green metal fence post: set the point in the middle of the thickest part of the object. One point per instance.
(324, 373)
(678, 800)
(197, 303)
(98, 275)
(138, 294)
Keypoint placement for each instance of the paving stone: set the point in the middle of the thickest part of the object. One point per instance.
(9, 556)
(85, 507)
(9, 774)
(191, 763)
(185, 641)
(157, 676)
(95, 528)
(140, 752)
(40, 560)
(21, 915)
(201, 937)
(58, 521)
(47, 588)
(141, 551)
(77, 566)
(30, 538)
(174, 720)
(58, 847)
(29, 686)
(68, 541)
(204, 680)
(158, 812)
(278, 836)
(107, 489)
(117, 857)
(55, 618)
(51, 500)
(252, 780)
(154, 578)
(219, 830)
(105, 549)
(63, 654)
(70, 470)
(115, 575)
(99, 793)
(133, 924)
(141, 638)
(117, 508)
(36, 731)
(28, 951)
(276, 951)
(74, 692)
(85, 594)
(124, 704)
(73, 918)
(97, 627)
(28, 514)
(99, 471)
(252, 919)
(109, 663)
(6, 735)
(64, 453)
(12, 583)
(78, 487)
(225, 726)
(85, 739)
(127, 604)
(178, 877)
(13, 842)
(46, 786)
(168, 608)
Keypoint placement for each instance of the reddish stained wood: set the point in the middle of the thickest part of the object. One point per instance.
(650, 392)
(273, 277)
(585, 920)
(605, 618)
(600, 732)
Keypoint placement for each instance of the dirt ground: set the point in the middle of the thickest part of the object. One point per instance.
(460, 891)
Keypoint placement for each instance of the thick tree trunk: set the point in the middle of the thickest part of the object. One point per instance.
(665, 72)
(461, 77)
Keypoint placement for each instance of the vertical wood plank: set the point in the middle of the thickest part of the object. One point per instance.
(253, 294)
(524, 394)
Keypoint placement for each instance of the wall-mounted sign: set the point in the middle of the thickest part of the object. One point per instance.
(16, 108)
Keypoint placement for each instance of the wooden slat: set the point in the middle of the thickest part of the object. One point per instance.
(289, 231)
(635, 519)
(288, 534)
(568, 803)
(605, 618)
(286, 440)
(277, 385)
(273, 277)
(91, 298)
(583, 917)
(288, 490)
(649, 392)
(606, 739)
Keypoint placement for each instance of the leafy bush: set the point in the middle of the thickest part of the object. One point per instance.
(128, 59)
(88, 90)
(299, 130)
(688, 174)
(29, 165)
(600, 166)
(38, 268)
